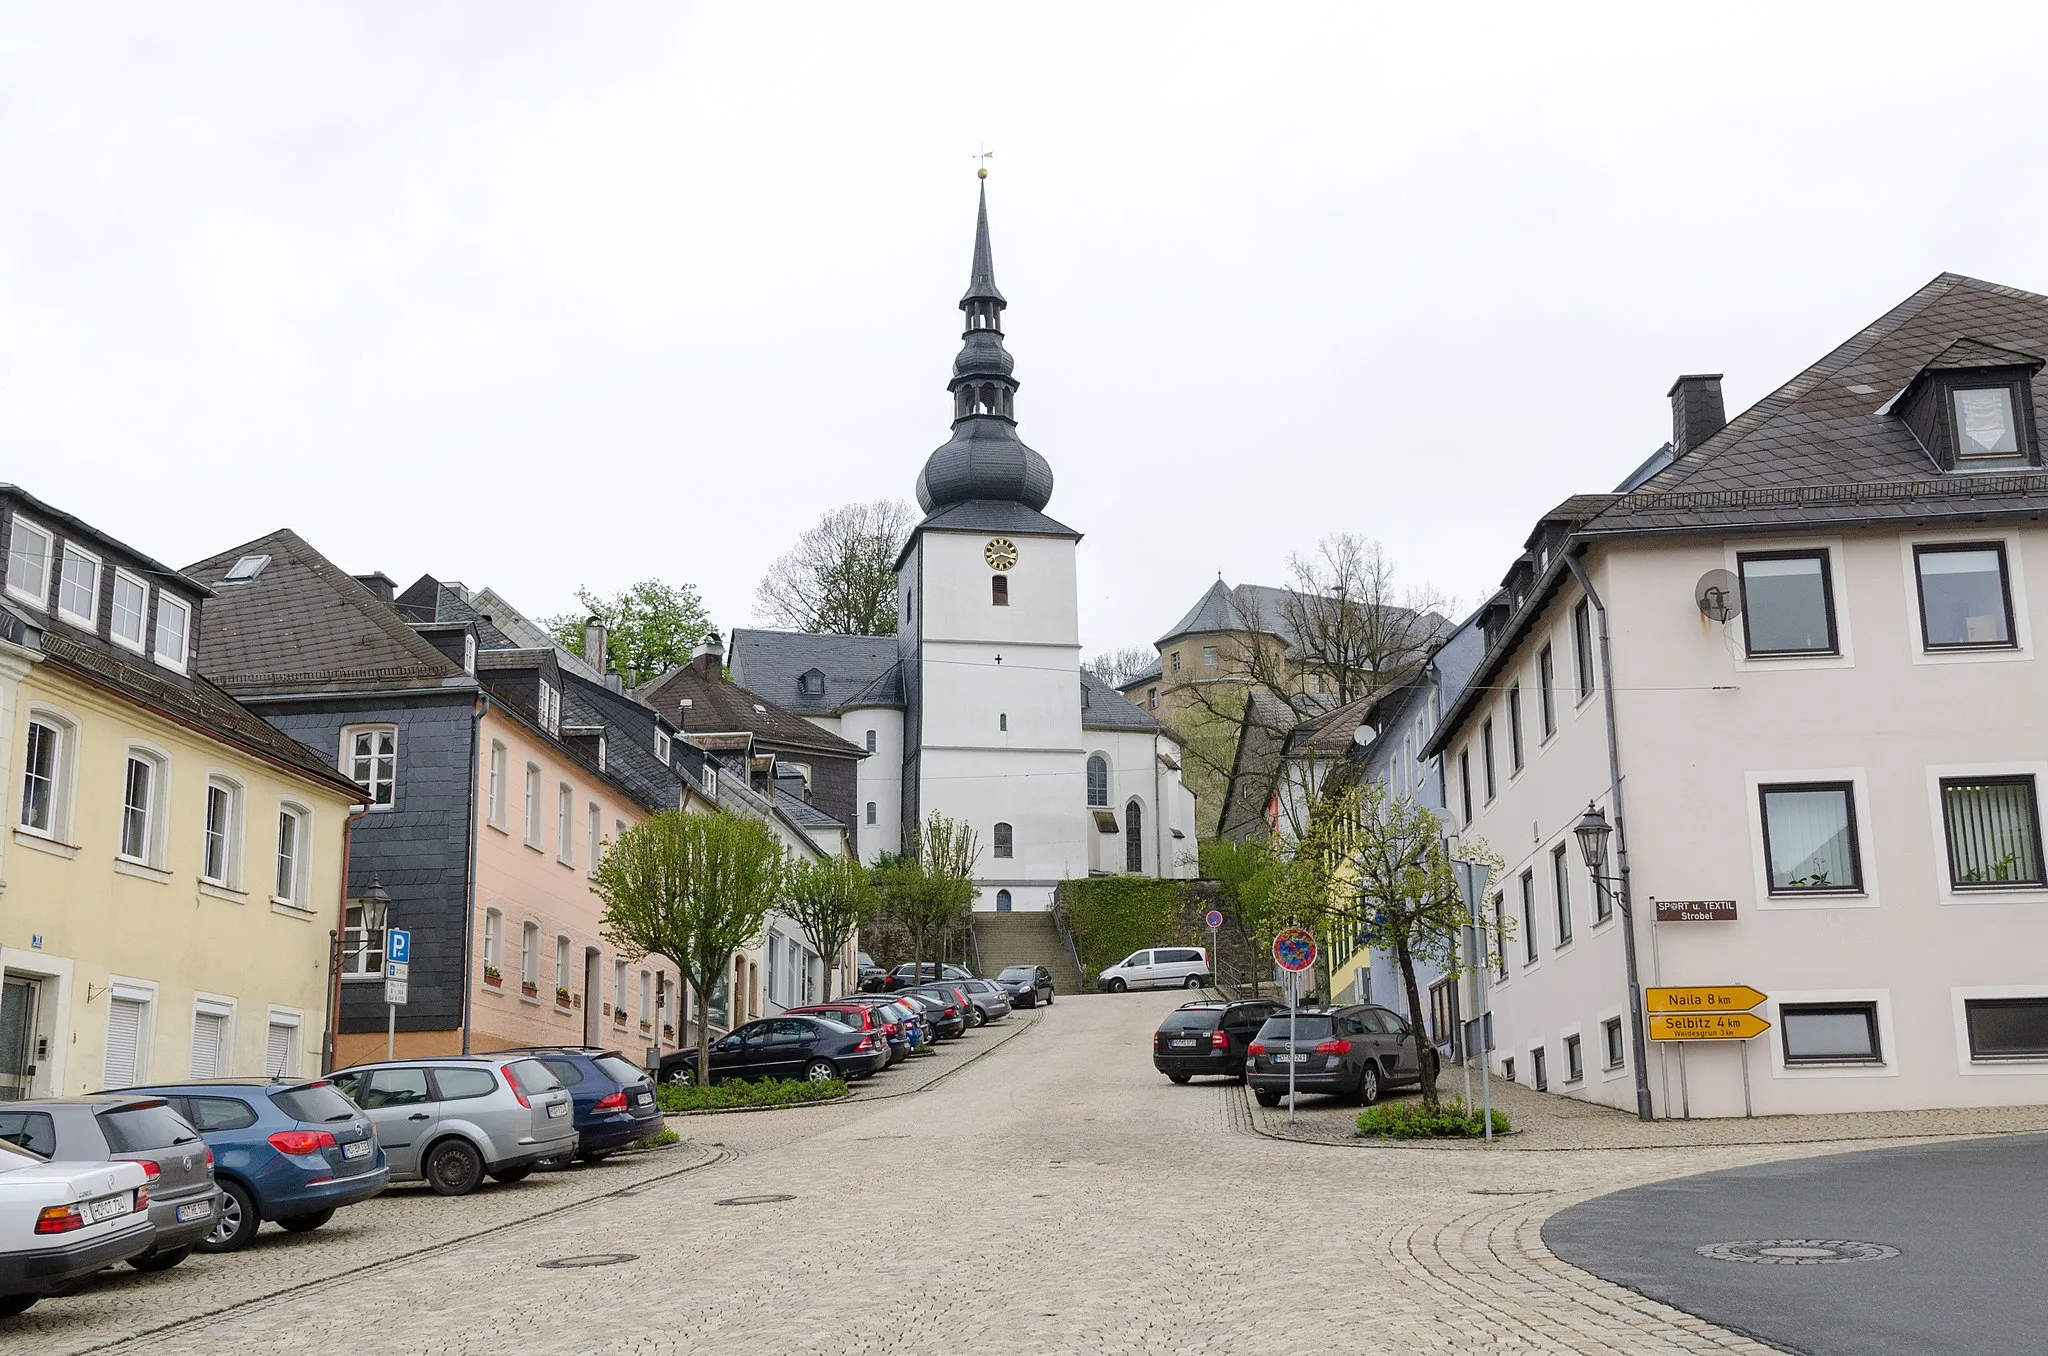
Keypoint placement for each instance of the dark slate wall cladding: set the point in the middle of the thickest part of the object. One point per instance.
(418, 849)
(835, 786)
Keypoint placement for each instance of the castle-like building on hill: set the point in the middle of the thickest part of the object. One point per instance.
(978, 707)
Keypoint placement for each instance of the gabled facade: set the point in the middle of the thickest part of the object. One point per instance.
(1796, 669)
(172, 864)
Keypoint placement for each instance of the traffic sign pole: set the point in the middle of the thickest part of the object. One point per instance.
(1294, 949)
(397, 967)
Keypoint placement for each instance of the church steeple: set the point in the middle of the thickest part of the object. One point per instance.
(985, 459)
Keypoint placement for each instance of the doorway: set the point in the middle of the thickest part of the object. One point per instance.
(1002, 901)
(593, 986)
(19, 998)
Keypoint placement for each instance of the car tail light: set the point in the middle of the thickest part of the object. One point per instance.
(867, 1043)
(141, 1199)
(513, 1084)
(615, 1102)
(1155, 1040)
(1255, 1049)
(60, 1219)
(952, 1012)
(301, 1141)
(1218, 1040)
(209, 1158)
(891, 1027)
(1333, 1048)
(151, 1169)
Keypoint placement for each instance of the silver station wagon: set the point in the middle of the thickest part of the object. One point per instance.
(450, 1121)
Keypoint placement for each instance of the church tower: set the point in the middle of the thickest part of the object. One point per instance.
(989, 630)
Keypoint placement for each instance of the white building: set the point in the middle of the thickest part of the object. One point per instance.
(978, 706)
(1847, 742)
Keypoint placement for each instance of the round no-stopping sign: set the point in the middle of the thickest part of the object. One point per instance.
(1294, 949)
(1214, 918)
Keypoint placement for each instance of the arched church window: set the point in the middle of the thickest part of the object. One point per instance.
(999, 590)
(1134, 837)
(1098, 780)
(1004, 840)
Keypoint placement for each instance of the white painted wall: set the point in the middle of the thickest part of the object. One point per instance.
(879, 775)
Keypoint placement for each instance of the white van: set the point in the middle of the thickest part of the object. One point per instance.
(1163, 967)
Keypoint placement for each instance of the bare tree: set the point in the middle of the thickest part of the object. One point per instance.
(841, 576)
(1117, 667)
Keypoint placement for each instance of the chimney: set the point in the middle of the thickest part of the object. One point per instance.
(379, 584)
(593, 645)
(710, 652)
(1696, 411)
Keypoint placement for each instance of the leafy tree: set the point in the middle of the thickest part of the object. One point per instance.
(650, 628)
(929, 890)
(830, 900)
(841, 576)
(694, 888)
(1117, 667)
(1244, 869)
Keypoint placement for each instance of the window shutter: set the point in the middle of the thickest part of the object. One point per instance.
(124, 1037)
(277, 1052)
(209, 1039)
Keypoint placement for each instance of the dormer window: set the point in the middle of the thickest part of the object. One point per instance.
(550, 709)
(1985, 423)
(812, 683)
(1972, 409)
(245, 569)
(661, 745)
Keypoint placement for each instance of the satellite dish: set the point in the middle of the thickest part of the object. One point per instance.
(1718, 595)
(1363, 735)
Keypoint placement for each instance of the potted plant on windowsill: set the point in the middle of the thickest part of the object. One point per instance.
(646, 1025)
(561, 997)
(529, 988)
(494, 977)
(619, 1018)
(668, 1033)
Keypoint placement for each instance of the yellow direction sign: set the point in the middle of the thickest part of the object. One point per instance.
(1703, 998)
(1706, 1026)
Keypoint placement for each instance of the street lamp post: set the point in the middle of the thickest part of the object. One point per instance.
(375, 904)
(1593, 831)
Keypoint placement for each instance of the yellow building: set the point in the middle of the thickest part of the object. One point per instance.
(172, 866)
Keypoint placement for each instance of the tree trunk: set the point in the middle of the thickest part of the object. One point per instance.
(1416, 1023)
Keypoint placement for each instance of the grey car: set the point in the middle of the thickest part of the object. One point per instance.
(451, 1120)
(1027, 985)
(183, 1200)
(1355, 1052)
(990, 1000)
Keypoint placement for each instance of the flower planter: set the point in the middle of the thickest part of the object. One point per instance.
(530, 990)
(493, 979)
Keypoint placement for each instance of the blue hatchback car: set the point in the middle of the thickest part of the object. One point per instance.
(288, 1150)
(613, 1096)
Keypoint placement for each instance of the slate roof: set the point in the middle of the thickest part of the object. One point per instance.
(1109, 709)
(1151, 673)
(859, 670)
(1225, 608)
(719, 706)
(1254, 766)
(522, 631)
(987, 515)
(628, 762)
(303, 624)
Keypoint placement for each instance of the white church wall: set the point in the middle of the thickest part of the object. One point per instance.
(880, 778)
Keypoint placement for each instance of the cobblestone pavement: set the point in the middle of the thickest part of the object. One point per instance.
(1056, 1196)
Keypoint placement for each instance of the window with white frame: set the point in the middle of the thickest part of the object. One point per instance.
(1098, 780)
(494, 942)
(128, 1013)
(173, 631)
(550, 708)
(362, 949)
(1810, 837)
(220, 846)
(144, 786)
(565, 824)
(469, 652)
(496, 796)
(594, 845)
(1965, 596)
(531, 820)
(871, 741)
(1574, 1060)
(211, 1049)
(129, 621)
(370, 758)
(561, 965)
(529, 956)
(619, 987)
(662, 747)
(293, 883)
(29, 551)
(46, 776)
(78, 585)
(1582, 646)
(1993, 828)
(647, 995)
(1546, 689)
(1561, 891)
(281, 1045)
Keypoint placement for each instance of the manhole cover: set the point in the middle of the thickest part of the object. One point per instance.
(1797, 1252)
(769, 1199)
(595, 1259)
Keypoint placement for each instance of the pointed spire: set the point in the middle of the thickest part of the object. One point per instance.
(981, 286)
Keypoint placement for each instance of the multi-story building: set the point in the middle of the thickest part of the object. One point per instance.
(1793, 669)
(173, 869)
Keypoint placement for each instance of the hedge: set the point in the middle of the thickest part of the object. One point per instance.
(1112, 916)
(1418, 1120)
(676, 1097)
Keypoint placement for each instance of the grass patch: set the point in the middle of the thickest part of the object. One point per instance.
(664, 1139)
(1418, 1120)
(675, 1097)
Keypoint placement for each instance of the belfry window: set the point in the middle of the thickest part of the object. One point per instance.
(999, 590)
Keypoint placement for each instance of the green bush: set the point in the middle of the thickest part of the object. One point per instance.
(1112, 916)
(1418, 1120)
(664, 1139)
(674, 1097)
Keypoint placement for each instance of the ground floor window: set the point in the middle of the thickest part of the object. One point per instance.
(1574, 1061)
(1610, 1032)
(1830, 1033)
(1538, 1069)
(2007, 1028)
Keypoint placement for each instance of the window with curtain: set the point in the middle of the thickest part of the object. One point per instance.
(1985, 426)
(1787, 603)
(1965, 602)
(42, 764)
(561, 963)
(1134, 837)
(1994, 832)
(1098, 780)
(1810, 837)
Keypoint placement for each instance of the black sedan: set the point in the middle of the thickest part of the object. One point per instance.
(908, 975)
(810, 1048)
(1207, 1038)
(946, 1013)
(1027, 985)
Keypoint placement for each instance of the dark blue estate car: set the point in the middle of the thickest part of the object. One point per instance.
(287, 1150)
(614, 1098)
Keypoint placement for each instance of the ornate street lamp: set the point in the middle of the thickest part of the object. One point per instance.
(1593, 832)
(375, 904)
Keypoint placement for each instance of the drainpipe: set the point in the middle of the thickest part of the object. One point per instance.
(348, 833)
(1644, 1111)
(476, 734)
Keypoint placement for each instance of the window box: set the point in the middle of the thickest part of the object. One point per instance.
(562, 997)
(494, 977)
(646, 1025)
(618, 1019)
(668, 1033)
(529, 989)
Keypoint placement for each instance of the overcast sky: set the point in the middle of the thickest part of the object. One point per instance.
(541, 295)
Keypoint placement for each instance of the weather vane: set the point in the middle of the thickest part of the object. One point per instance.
(981, 170)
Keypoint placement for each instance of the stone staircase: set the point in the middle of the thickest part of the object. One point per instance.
(1005, 939)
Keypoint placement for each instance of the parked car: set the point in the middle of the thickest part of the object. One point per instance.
(907, 975)
(990, 1001)
(183, 1201)
(865, 971)
(60, 1222)
(900, 1018)
(449, 1120)
(1027, 985)
(861, 1017)
(613, 1097)
(287, 1150)
(810, 1048)
(1356, 1052)
(1207, 1038)
(948, 1011)
(1161, 967)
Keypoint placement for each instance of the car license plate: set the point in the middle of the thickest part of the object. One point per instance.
(1290, 1059)
(642, 1098)
(558, 1109)
(359, 1149)
(1184, 1045)
(108, 1207)
(196, 1210)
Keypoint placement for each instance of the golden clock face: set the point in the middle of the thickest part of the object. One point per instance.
(1000, 554)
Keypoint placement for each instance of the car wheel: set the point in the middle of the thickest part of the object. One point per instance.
(1194, 982)
(236, 1223)
(454, 1168)
(820, 1071)
(160, 1261)
(980, 1017)
(1048, 997)
(308, 1222)
(1177, 1078)
(10, 1305)
(1115, 986)
(510, 1175)
(1369, 1084)
(1267, 1096)
(595, 1155)
(682, 1075)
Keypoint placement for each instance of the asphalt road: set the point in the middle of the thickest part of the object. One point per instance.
(1967, 1220)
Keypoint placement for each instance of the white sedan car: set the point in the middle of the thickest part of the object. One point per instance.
(60, 1222)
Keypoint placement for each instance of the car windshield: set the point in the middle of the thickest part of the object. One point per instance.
(533, 1076)
(836, 1021)
(316, 1103)
(1017, 972)
(153, 1125)
(1192, 1019)
(620, 1069)
(1309, 1026)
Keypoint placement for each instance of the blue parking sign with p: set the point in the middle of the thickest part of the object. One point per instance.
(399, 947)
